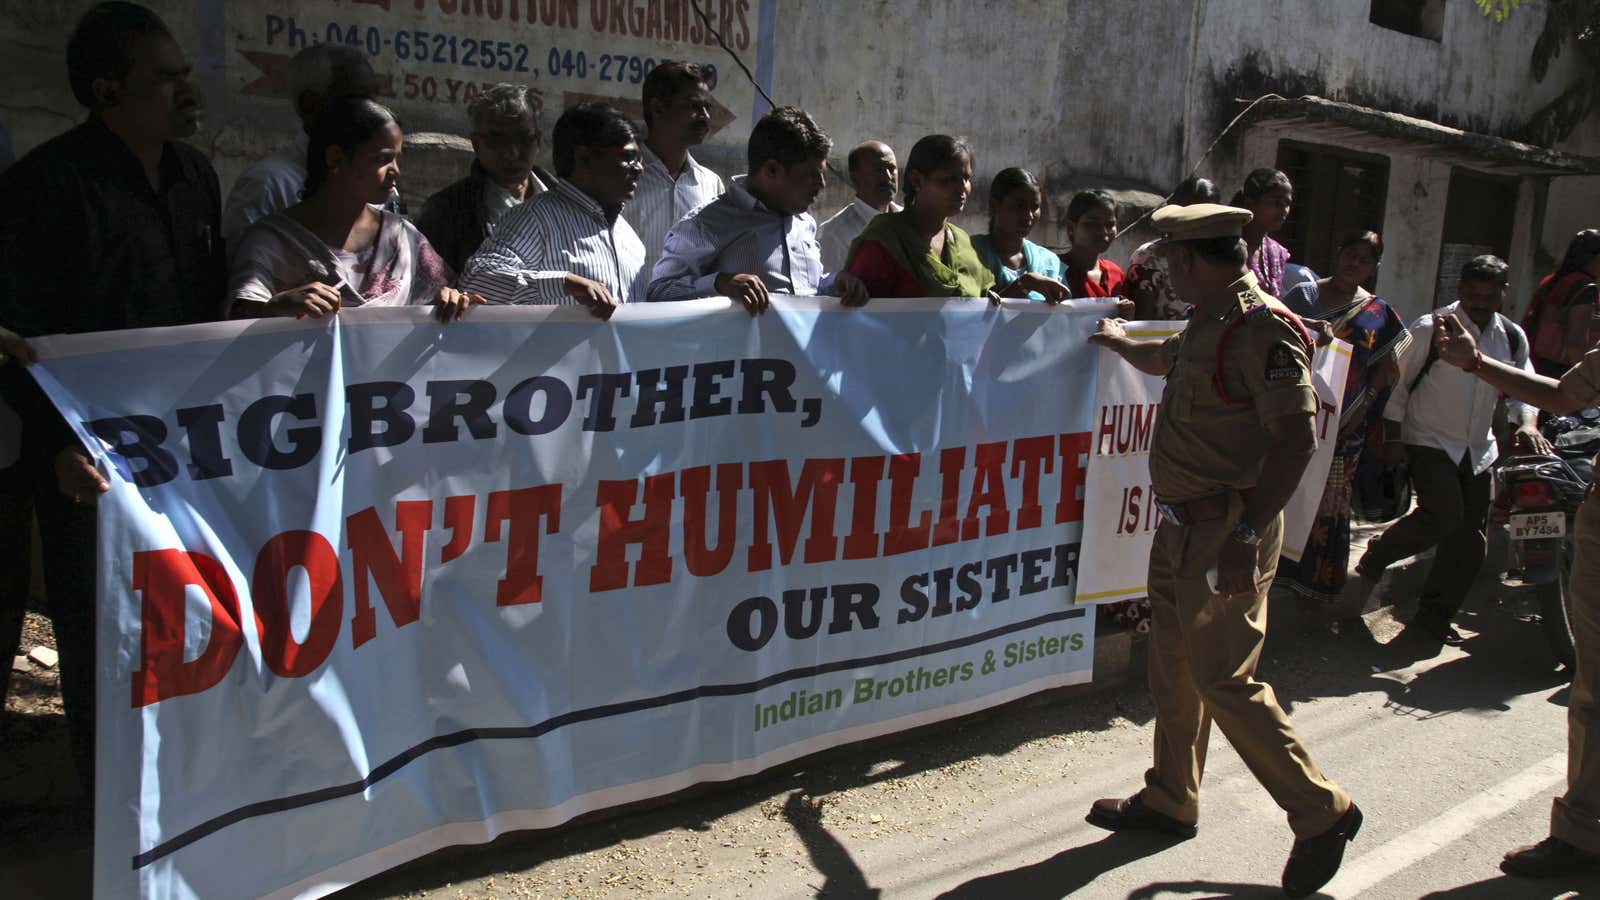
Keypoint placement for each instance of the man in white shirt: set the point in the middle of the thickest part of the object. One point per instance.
(1444, 417)
(570, 245)
(875, 174)
(317, 74)
(677, 114)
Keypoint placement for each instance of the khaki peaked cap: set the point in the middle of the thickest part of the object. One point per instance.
(1200, 221)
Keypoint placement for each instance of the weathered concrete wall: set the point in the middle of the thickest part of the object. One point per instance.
(36, 102)
(1127, 94)
(1413, 227)
(1526, 267)
(1477, 78)
(1080, 93)
(896, 70)
(1572, 204)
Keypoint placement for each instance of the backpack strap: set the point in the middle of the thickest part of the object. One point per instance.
(1517, 339)
(1433, 357)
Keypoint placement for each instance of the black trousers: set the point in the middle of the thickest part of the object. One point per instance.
(16, 564)
(1452, 508)
(68, 537)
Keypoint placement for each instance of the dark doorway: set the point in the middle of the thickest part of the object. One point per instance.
(1418, 18)
(1336, 192)
(1478, 216)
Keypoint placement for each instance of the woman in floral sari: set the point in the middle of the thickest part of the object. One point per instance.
(336, 247)
(1377, 336)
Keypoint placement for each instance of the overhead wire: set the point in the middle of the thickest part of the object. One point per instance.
(705, 20)
(1206, 155)
(715, 33)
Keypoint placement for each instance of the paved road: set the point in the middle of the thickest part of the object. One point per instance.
(1454, 757)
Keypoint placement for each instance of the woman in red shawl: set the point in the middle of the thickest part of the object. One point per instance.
(1561, 316)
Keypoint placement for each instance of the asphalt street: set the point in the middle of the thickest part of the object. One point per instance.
(1453, 754)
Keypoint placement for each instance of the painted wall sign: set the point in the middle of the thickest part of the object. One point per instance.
(438, 54)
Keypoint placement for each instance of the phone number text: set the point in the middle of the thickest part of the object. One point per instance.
(436, 48)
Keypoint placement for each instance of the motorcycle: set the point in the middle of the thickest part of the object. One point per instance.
(1537, 497)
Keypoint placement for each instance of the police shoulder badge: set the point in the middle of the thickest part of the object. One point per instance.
(1251, 301)
(1282, 364)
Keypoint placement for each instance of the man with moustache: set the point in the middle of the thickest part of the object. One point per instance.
(758, 239)
(505, 142)
(875, 174)
(1236, 430)
(570, 245)
(114, 224)
(677, 114)
(1442, 420)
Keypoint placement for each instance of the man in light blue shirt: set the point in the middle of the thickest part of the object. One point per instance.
(758, 239)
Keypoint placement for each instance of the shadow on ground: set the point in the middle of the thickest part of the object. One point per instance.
(1506, 654)
(1066, 872)
(841, 876)
(1522, 888)
(1211, 890)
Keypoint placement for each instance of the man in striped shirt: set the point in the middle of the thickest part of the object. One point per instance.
(758, 239)
(570, 245)
(677, 112)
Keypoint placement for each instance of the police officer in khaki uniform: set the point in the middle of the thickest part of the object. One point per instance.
(1233, 437)
(1573, 847)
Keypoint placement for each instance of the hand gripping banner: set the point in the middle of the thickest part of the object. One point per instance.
(374, 586)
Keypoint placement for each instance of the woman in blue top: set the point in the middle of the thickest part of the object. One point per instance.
(1014, 203)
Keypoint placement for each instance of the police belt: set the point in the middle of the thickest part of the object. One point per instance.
(1193, 512)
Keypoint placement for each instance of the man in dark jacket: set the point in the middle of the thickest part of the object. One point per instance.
(114, 224)
(505, 142)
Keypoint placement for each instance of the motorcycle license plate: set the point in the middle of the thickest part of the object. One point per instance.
(1530, 526)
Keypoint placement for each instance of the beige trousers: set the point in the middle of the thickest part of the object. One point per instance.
(1576, 816)
(1203, 656)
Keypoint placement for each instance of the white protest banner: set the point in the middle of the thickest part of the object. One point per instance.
(1117, 497)
(1120, 516)
(1329, 368)
(373, 586)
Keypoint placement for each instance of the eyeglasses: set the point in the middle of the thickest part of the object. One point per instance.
(628, 156)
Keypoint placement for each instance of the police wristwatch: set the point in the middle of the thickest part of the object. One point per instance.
(1244, 534)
